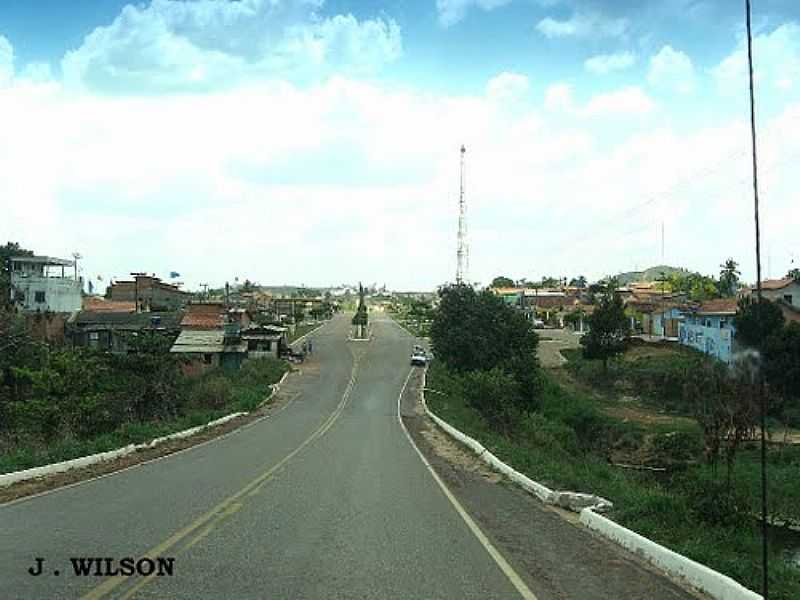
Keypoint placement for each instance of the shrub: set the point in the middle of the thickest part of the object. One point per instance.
(494, 394)
(677, 446)
(212, 391)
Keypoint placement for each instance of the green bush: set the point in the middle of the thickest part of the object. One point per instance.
(212, 391)
(493, 393)
(677, 446)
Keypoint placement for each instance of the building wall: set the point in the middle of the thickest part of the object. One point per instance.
(705, 334)
(59, 295)
(153, 294)
(792, 290)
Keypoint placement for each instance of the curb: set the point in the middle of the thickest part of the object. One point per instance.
(696, 575)
(713, 583)
(573, 501)
(8, 479)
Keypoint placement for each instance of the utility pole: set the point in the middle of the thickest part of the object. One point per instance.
(462, 252)
(759, 383)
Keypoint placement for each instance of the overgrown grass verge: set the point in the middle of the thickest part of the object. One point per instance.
(302, 329)
(203, 399)
(565, 445)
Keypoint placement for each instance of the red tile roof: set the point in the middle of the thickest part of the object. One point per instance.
(776, 284)
(96, 304)
(719, 306)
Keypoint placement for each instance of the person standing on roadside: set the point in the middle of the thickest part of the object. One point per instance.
(311, 346)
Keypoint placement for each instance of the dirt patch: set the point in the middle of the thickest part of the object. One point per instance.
(278, 401)
(444, 447)
(644, 416)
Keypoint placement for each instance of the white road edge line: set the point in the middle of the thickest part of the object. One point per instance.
(501, 562)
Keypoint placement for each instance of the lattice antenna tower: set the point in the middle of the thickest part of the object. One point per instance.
(462, 252)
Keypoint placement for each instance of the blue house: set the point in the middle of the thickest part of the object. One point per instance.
(709, 328)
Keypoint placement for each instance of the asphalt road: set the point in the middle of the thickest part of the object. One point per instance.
(324, 499)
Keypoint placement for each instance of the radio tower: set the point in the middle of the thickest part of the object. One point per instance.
(462, 252)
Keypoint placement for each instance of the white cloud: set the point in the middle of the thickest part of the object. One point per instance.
(671, 70)
(6, 61)
(776, 61)
(558, 97)
(627, 101)
(583, 24)
(170, 46)
(602, 64)
(507, 87)
(453, 11)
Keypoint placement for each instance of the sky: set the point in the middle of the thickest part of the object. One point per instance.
(314, 142)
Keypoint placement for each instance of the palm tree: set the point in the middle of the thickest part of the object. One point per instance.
(728, 277)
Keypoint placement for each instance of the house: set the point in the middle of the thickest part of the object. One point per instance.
(209, 348)
(709, 328)
(214, 315)
(44, 284)
(112, 331)
(658, 319)
(265, 340)
(289, 307)
(785, 290)
(150, 291)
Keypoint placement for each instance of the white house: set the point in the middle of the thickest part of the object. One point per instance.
(45, 284)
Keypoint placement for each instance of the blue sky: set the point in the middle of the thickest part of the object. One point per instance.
(302, 141)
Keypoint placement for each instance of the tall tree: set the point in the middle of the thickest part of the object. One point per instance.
(502, 281)
(729, 278)
(578, 282)
(475, 331)
(608, 327)
(6, 252)
(756, 321)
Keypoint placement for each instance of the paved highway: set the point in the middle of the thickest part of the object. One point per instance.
(325, 498)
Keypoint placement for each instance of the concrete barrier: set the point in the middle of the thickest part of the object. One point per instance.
(716, 585)
(700, 577)
(8, 479)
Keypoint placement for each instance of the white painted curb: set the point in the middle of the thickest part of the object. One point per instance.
(700, 577)
(84, 461)
(8, 479)
(716, 585)
(570, 500)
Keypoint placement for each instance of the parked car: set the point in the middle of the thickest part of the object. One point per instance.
(538, 324)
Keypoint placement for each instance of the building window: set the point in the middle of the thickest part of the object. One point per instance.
(38, 297)
(207, 359)
(94, 339)
(723, 323)
(787, 298)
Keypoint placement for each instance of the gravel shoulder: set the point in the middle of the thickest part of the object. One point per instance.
(557, 557)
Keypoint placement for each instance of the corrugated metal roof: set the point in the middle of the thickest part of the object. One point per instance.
(43, 260)
(205, 341)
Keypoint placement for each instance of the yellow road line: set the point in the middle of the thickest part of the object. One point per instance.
(221, 510)
(498, 558)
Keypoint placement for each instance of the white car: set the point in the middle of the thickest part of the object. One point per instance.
(419, 358)
(538, 324)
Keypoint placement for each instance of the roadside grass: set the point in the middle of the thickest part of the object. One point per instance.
(302, 329)
(418, 328)
(566, 445)
(206, 398)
